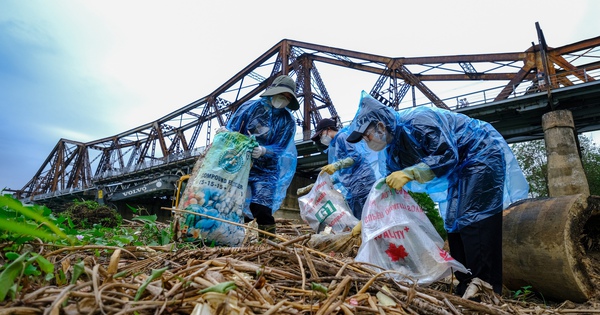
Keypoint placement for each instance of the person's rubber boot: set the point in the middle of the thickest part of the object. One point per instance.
(268, 228)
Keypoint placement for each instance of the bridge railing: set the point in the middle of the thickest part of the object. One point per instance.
(524, 88)
(455, 102)
(58, 193)
(148, 165)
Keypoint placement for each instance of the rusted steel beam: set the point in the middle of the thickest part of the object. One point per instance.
(307, 94)
(410, 78)
(499, 57)
(423, 77)
(577, 46)
(68, 166)
(513, 83)
(161, 139)
(339, 51)
(571, 69)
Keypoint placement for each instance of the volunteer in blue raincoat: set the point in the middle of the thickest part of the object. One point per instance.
(463, 163)
(348, 161)
(269, 120)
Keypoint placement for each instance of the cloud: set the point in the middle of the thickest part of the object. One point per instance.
(86, 70)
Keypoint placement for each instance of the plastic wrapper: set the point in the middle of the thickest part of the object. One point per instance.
(218, 189)
(324, 206)
(397, 235)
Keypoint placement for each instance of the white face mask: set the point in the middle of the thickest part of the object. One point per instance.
(378, 141)
(325, 139)
(279, 101)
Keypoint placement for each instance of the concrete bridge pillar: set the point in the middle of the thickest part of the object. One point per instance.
(565, 170)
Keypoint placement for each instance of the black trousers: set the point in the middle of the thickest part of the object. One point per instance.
(478, 247)
(262, 214)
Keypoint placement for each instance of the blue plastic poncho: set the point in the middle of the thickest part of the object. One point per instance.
(273, 129)
(476, 173)
(356, 181)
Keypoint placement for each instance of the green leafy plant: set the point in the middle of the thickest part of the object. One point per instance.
(78, 270)
(22, 223)
(222, 287)
(151, 234)
(433, 214)
(25, 226)
(156, 273)
(523, 293)
(23, 265)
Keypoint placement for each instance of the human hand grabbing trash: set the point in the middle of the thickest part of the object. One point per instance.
(419, 172)
(333, 167)
(356, 230)
(329, 168)
(221, 129)
(397, 180)
(258, 151)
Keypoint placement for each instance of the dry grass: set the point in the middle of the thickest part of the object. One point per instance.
(282, 277)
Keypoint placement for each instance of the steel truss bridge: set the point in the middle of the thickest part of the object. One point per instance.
(522, 87)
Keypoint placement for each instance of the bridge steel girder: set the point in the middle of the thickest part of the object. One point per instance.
(176, 133)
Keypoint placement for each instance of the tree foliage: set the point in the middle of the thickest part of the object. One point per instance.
(591, 164)
(533, 160)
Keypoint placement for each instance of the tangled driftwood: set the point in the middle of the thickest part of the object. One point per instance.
(263, 277)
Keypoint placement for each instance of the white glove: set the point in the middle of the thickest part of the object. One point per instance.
(258, 151)
(221, 129)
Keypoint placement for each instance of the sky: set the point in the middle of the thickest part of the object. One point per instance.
(85, 70)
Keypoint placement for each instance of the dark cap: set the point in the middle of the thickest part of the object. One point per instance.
(283, 84)
(322, 125)
(357, 134)
(370, 110)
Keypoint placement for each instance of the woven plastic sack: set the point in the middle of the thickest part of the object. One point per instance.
(397, 235)
(218, 189)
(324, 206)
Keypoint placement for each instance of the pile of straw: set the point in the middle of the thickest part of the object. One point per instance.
(285, 276)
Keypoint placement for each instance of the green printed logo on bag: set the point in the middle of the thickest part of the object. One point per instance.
(232, 160)
(326, 210)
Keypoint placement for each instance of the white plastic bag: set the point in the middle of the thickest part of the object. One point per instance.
(397, 235)
(324, 206)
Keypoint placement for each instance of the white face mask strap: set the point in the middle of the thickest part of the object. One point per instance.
(369, 131)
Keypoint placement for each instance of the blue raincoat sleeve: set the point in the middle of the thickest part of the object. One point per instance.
(358, 179)
(273, 129)
(459, 150)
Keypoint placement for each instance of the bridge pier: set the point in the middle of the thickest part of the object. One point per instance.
(565, 170)
(552, 243)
